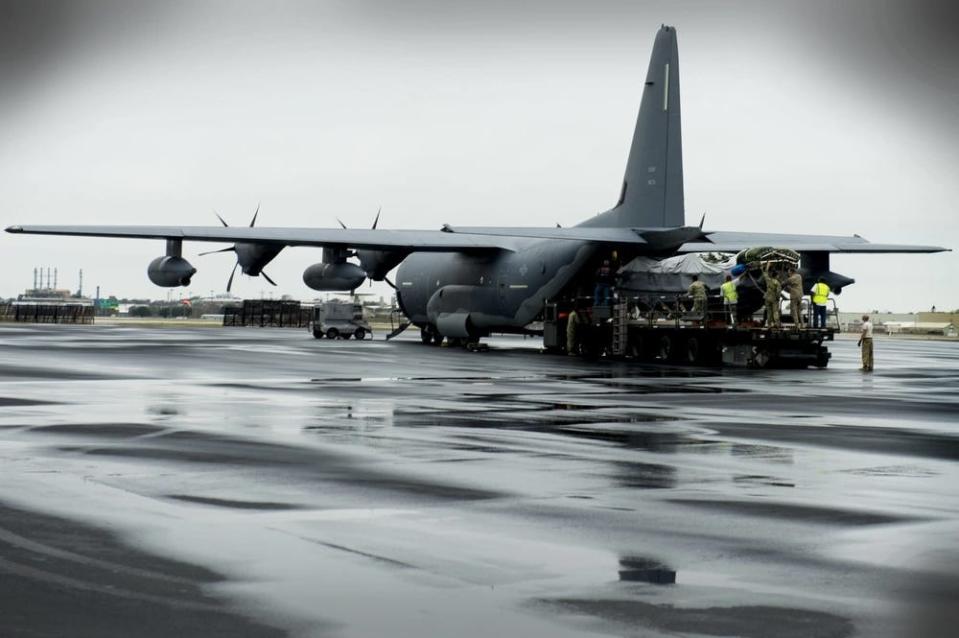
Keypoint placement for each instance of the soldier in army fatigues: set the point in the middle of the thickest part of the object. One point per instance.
(697, 290)
(772, 299)
(572, 331)
(795, 289)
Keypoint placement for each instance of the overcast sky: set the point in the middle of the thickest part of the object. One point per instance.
(820, 117)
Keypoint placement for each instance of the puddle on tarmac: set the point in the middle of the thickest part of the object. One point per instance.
(636, 569)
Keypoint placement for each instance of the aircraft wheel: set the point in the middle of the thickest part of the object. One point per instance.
(359, 334)
(692, 350)
(332, 333)
(636, 348)
(426, 336)
(437, 338)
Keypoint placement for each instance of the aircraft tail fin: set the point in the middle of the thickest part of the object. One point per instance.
(652, 190)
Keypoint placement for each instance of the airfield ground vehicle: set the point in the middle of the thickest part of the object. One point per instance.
(340, 320)
(665, 332)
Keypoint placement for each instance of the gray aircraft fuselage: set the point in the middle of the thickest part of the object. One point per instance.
(500, 292)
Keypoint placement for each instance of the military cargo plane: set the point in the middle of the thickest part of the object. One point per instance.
(465, 282)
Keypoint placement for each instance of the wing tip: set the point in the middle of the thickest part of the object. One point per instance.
(14, 229)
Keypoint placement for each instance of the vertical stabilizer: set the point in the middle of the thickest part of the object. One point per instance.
(652, 190)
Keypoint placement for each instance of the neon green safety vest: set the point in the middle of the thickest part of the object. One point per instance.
(820, 294)
(729, 291)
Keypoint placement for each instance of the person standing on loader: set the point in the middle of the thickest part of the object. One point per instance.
(820, 297)
(795, 289)
(697, 290)
(772, 299)
(865, 343)
(730, 299)
(604, 284)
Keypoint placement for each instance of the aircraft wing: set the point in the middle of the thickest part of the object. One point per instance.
(723, 241)
(366, 239)
(454, 239)
(707, 241)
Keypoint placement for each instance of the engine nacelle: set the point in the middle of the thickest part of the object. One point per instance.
(253, 257)
(341, 276)
(378, 263)
(170, 272)
(462, 311)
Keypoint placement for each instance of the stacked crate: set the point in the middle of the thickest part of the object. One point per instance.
(267, 313)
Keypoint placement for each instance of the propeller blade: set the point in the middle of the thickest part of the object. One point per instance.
(341, 222)
(222, 250)
(377, 219)
(267, 277)
(229, 283)
(221, 219)
(257, 212)
(702, 220)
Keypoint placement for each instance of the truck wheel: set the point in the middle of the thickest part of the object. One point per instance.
(317, 334)
(761, 358)
(692, 350)
(822, 358)
(359, 334)
(664, 348)
(332, 333)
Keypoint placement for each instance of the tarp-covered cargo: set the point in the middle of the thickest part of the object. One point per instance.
(671, 275)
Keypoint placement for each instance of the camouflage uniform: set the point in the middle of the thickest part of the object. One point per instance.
(572, 327)
(772, 298)
(697, 291)
(794, 288)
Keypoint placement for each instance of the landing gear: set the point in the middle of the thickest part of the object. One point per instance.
(476, 346)
(429, 334)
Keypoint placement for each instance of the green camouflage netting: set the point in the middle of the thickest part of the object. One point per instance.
(754, 256)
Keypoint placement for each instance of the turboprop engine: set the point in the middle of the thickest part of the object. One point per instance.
(172, 269)
(250, 257)
(337, 276)
(170, 272)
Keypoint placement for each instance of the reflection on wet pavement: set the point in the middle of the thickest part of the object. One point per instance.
(396, 489)
(645, 570)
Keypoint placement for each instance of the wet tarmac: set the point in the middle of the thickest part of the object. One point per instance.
(258, 482)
